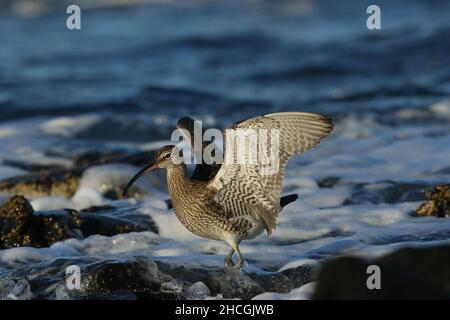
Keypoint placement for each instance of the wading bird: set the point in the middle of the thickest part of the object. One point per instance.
(236, 201)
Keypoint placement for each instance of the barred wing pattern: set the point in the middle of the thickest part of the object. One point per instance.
(244, 189)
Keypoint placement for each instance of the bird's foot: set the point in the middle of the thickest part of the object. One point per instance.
(229, 262)
(239, 264)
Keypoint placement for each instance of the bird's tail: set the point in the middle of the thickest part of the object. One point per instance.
(284, 201)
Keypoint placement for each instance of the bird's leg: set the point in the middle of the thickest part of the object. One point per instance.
(229, 259)
(240, 259)
(234, 241)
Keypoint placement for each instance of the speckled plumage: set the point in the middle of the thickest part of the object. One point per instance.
(192, 203)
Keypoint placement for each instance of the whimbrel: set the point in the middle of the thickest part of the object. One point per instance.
(238, 201)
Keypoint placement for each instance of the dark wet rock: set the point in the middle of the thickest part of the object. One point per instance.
(50, 183)
(15, 289)
(138, 278)
(108, 226)
(197, 290)
(437, 204)
(62, 183)
(386, 192)
(15, 215)
(143, 278)
(46, 228)
(94, 209)
(65, 182)
(226, 281)
(406, 274)
(235, 284)
(301, 275)
(197, 282)
(21, 226)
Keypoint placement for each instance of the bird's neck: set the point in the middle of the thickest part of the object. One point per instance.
(177, 180)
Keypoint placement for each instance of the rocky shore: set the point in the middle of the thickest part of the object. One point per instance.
(21, 226)
(437, 204)
(407, 273)
(141, 278)
(64, 182)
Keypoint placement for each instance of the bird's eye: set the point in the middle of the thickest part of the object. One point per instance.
(167, 156)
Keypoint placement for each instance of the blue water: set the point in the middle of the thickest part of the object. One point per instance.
(226, 58)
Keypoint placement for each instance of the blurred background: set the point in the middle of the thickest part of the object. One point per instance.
(73, 101)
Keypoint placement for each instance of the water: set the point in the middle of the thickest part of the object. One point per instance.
(121, 83)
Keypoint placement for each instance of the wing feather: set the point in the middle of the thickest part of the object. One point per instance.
(252, 188)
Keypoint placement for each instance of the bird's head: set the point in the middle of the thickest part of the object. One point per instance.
(163, 159)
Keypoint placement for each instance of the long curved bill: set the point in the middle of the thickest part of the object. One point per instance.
(143, 171)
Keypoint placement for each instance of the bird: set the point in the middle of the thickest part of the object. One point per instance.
(237, 201)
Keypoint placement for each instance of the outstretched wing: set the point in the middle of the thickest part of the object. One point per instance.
(244, 186)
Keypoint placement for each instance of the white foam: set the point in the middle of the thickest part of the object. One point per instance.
(8, 172)
(441, 108)
(298, 263)
(302, 293)
(51, 203)
(68, 126)
(15, 257)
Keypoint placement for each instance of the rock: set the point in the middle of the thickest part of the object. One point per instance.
(178, 280)
(140, 277)
(235, 284)
(65, 182)
(102, 208)
(46, 228)
(437, 204)
(21, 291)
(134, 278)
(15, 215)
(197, 290)
(108, 226)
(405, 274)
(21, 226)
(229, 282)
(49, 183)
(12, 288)
(301, 275)
(104, 220)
